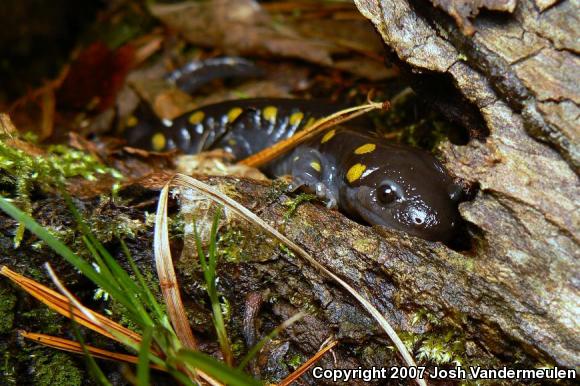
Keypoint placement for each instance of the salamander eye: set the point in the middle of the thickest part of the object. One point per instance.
(388, 193)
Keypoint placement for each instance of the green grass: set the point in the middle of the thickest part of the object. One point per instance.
(208, 266)
(140, 305)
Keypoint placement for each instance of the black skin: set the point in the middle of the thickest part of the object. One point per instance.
(401, 187)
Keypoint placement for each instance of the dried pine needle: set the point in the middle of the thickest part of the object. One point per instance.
(180, 180)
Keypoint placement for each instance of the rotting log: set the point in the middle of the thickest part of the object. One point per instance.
(512, 298)
(402, 275)
(517, 76)
(264, 285)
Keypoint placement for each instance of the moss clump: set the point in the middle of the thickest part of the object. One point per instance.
(441, 345)
(118, 312)
(43, 320)
(239, 243)
(22, 172)
(107, 228)
(7, 303)
(278, 187)
(295, 361)
(55, 368)
(231, 246)
(296, 202)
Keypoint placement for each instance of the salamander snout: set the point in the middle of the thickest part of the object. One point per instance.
(431, 221)
(417, 203)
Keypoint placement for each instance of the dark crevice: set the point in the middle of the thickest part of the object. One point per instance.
(438, 91)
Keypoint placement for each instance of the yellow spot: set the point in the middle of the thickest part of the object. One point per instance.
(310, 122)
(132, 121)
(234, 113)
(269, 113)
(232, 142)
(366, 148)
(196, 117)
(328, 136)
(315, 165)
(295, 118)
(355, 172)
(158, 142)
(296, 158)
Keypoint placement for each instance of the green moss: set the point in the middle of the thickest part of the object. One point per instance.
(7, 367)
(294, 203)
(226, 308)
(285, 250)
(55, 368)
(366, 246)
(298, 300)
(118, 313)
(469, 264)
(21, 172)
(296, 361)
(443, 344)
(442, 348)
(238, 347)
(278, 188)
(238, 244)
(43, 320)
(107, 228)
(230, 246)
(7, 303)
(66, 235)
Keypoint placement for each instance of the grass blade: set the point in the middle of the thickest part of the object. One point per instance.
(111, 269)
(208, 265)
(274, 333)
(143, 365)
(82, 265)
(217, 369)
(149, 298)
(182, 180)
(91, 363)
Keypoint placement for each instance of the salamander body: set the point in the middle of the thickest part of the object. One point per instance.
(365, 176)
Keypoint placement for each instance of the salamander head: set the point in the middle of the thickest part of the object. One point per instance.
(404, 189)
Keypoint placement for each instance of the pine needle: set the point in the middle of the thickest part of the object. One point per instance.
(307, 365)
(263, 157)
(167, 277)
(63, 306)
(180, 180)
(76, 348)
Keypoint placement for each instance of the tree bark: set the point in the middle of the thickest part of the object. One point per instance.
(520, 71)
(511, 299)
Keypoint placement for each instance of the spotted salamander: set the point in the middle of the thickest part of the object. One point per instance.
(365, 176)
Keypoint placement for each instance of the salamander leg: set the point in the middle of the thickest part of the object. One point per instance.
(323, 192)
(312, 170)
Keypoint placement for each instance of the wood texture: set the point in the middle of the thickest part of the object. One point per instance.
(521, 72)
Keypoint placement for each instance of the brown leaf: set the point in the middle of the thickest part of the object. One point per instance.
(96, 77)
(239, 27)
